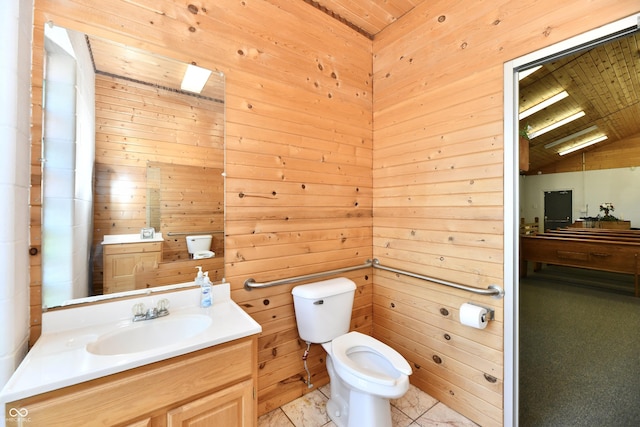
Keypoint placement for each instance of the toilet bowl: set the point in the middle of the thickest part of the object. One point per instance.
(364, 373)
(204, 254)
(369, 365)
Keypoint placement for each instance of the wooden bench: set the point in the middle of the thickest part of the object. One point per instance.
(607, 252)
(628, 237)
(612, 225)
(598, 231)
(529, 228)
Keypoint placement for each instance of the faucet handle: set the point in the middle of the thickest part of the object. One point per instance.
(163, 307)
(138, 309)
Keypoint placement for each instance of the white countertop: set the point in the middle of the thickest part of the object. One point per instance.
(59, 357)
(116, 239)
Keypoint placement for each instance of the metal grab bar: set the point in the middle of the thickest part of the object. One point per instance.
(192, 233)
(250, 284)
(492, 290)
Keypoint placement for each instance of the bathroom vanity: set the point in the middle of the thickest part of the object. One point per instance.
(126, 254)
(97, 374)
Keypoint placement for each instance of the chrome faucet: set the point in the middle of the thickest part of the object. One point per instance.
(139, 313)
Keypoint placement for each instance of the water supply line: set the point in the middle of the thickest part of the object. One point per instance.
(304, 358)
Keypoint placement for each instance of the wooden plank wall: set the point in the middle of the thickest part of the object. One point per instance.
(35, 192)
(299, 148)
(300, 193)
(438, 180)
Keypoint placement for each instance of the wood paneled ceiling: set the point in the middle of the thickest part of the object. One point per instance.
(117, 60)
(604, 82)
(365, 16)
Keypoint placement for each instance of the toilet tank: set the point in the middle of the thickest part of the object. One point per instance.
(197, 243)
(323, 309)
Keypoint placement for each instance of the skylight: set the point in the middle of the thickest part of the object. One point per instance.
(195, 78)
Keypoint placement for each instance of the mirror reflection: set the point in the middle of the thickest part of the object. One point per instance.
(133, 169)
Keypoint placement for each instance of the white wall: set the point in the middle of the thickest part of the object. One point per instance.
(69, 150)
(15, 57)
(85, 160)
(591, 188)
(59, 139)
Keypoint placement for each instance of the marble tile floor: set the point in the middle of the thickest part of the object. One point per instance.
(414, 409)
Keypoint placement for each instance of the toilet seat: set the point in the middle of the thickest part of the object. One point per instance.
(351, 342)
(203, 254)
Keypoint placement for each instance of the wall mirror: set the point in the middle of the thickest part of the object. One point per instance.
(133, 163)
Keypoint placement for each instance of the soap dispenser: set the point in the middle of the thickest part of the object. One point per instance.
(205, 291)
(199, 277)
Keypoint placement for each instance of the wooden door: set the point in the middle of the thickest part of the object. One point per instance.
(558, 206)
(231, 407)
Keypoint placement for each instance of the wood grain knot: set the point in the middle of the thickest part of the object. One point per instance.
(490, 378)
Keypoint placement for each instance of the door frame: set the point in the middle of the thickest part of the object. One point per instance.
(511, 192)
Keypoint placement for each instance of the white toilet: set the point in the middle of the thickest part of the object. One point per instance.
(199, 246)
(364, 372)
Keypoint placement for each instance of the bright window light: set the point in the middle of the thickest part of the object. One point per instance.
(583, 145)
(557, 124)
(195, 78)
(60, 37)
(527, 73)
(544, 104)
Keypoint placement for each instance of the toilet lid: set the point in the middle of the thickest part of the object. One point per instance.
(342, 345)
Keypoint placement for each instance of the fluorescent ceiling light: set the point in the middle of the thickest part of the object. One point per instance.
(544, 104)
(572, 136)
(527, 73)
(195, 78)
(556, 124)
(583, 145)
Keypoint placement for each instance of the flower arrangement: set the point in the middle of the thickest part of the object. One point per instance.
(606, 208)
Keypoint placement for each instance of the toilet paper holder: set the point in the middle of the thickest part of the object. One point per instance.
(490, 315)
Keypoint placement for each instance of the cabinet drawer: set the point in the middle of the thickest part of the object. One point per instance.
(129, 248)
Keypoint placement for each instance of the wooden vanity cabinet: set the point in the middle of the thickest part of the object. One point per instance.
(210, 387)
(121, 261)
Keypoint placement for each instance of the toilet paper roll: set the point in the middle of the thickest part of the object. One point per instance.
(473, 315)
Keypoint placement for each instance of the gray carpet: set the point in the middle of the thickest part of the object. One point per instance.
(579, 349)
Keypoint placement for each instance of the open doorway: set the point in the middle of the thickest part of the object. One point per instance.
(514, 198)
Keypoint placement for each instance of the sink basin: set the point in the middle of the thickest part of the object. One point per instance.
(149, 334)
